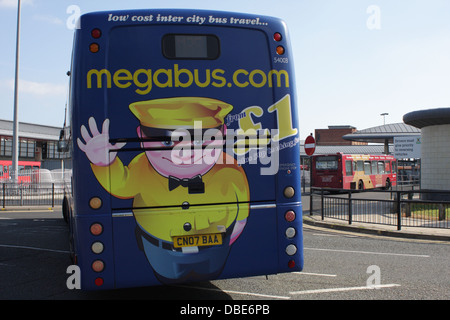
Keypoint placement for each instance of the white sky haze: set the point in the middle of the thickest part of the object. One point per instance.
(354, 59)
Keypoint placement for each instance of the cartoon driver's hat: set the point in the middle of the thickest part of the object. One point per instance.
(181, 112)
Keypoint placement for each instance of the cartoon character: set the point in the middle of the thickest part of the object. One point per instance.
(166, 185)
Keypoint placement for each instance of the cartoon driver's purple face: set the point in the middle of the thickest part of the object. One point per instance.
(184, 159)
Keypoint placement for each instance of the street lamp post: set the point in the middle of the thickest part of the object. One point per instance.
(15, 146)
(386, 141)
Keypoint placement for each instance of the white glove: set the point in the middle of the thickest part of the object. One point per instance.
(97, 147)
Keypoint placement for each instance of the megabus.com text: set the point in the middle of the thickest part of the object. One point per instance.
(145, 79)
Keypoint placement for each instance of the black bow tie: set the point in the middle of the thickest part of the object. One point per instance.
(195, 184)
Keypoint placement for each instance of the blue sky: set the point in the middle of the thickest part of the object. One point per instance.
(354, 59)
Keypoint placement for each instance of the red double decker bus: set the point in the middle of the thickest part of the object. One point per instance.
(354, 171)
(27, 170)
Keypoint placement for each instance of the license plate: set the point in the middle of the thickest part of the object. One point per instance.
(198, 240)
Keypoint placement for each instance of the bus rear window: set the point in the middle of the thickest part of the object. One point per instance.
(326, 163)
(191, 46)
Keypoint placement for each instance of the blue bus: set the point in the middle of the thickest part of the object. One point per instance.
(186, 150)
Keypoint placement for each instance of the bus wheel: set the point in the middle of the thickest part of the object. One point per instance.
(72, 256)
(360, 185)
(65, 210)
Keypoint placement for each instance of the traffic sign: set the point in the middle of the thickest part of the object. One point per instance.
(310, 145)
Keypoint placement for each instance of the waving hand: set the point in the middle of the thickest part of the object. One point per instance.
(96, 144)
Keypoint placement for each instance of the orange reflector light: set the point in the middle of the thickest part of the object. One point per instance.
(94, 48)
(95, 203)
(277, 37)
(98, 266)
(96, 33)
(96, 229)
(280, 50)
(289, 216)
(99, 282)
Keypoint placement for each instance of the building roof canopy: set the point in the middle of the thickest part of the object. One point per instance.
(30, 131)
(382, 133)
(430, 117)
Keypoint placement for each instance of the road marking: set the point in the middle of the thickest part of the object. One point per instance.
(371, 252)
(315, 274)
(238, 292)
(345, 289)
(334, 235)
(32, 248)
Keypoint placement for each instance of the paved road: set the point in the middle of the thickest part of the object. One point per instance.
(338, 265)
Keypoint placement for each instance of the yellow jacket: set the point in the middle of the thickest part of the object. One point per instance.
(224, 183)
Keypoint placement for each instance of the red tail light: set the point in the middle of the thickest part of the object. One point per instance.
(277, 37)
(99, 282)
(96, 33)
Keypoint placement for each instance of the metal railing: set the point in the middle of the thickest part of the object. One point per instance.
(400, 208)
(21, 195)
